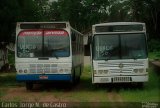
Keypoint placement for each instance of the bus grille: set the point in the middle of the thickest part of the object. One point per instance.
(115, 67)
(121, 79)
(43, 68)
(121, 70)
(125, 64)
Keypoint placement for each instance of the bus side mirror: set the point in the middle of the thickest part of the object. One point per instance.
(90, 39)
(147, 35)
(73, 37)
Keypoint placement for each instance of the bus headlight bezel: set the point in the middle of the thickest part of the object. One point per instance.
(141, 70)
(101, 72)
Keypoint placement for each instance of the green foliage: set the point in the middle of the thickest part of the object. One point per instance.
(83, 92)
(13, 11)
(8, 79)
(8, 12)
(87, 68)
(82, 14)
(154, 55)
(150, 93)
(154, 45)
(11, 58)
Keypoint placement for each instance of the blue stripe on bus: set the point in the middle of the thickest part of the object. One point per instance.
(36, 77)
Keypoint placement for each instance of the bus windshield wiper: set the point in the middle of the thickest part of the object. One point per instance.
(107, 58)
(134, 57)
(53, 53)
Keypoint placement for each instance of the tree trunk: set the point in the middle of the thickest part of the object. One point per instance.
(3, 55)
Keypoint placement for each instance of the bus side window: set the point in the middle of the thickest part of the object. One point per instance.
(77, 42)
(73, 36)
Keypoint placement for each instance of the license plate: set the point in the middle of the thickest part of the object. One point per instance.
(43, 77)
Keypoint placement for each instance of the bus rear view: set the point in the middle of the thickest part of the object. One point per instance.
(119, 53)
(44, 52)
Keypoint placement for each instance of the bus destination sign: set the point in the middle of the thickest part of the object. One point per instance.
(119, 28)
(43, 26)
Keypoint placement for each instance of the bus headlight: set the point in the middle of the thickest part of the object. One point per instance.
(67, 70)
(105, 71)
(141, 70)
(61, 70)
(20, 71)
(95, 72)
(25, 71)
(101, 72)
(138, 70)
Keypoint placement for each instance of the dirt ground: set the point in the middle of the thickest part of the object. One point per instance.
(85, 91)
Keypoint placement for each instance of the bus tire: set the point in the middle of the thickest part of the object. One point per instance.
(140, 85)
(80, 70)
(79, 76)
(73, 78)
(78, 79)
(29, 85)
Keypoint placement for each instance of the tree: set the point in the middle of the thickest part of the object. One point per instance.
(12, 11)
(80, 13)
(153, 18)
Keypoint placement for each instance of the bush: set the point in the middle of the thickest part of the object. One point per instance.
(154, 45)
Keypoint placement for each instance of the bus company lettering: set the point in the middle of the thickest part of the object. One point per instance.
(31, 33)
(59, 33)
(104, 48)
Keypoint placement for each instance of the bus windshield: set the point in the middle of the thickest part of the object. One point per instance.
(119, 46)
(39, 43)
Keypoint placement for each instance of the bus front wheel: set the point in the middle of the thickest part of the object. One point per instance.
(140, 85)
(29, 85)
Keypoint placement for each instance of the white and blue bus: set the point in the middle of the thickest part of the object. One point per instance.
(119, 53)
(48, 51)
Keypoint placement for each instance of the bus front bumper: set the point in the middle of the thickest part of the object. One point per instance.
(44, 77)
(120, 79)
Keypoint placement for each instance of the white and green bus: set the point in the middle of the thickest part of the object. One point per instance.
(119, 53)
(48, 51)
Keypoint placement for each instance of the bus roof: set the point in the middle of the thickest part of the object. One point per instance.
(42, 25)
(41, 22)
(45, 25)
(119, 27)
(119, 23)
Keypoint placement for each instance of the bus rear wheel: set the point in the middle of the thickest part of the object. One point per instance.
(29, 85)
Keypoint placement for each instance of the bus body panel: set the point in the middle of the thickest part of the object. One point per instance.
(47, 68)
(42, 77)
(109, 64)
(121, 79)
(111, 71)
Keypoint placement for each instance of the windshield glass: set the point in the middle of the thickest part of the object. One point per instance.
(106, 47)
(133, 46)
(38, 43)
(119, 46)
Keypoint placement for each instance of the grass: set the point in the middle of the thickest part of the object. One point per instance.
(150, 93)
(85, 91)
(8, 79)
(154, 55)
(2, 92)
